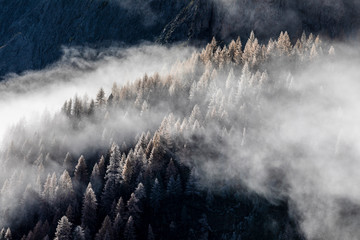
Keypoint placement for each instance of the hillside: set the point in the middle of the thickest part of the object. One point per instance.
(33, 32)
(201, 153)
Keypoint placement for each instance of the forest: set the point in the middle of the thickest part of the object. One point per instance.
(204, 152)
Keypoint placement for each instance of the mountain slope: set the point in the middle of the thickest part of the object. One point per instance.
(32, 32)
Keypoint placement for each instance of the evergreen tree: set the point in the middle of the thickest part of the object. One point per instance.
(156, 195)
(113, 178)
(88, 213)
(69, 164)
(106, 230)
(64, 191)
(79, 233)
(8, 235)
(80, 176)
(63, 229)
(96, 179)
(150, 235)
(129, 233)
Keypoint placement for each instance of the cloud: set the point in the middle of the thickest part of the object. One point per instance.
(81, 71)
(298, 143)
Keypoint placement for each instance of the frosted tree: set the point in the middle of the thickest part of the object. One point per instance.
(88, 212)
(96, 179)
(91, 108)
(284, 44)
(249, 50)
(134, 207)
(157, 159)
(79, 233)
(156, 195)
(100, 98)
(81, 177)
(173, 189)
(78, 107)
(113, 177)
(106, 230)
(129, 233)
(69, 164)
(102, 167)
(63, 229)
(191, 189)
(118, 225)
(171, 170)
(8, 235)
(64, 191)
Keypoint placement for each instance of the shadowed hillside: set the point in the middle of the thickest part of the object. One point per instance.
(32, 32)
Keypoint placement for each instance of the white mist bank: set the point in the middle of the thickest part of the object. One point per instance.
(29, 95)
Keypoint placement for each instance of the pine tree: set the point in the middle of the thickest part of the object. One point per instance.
(118, 226)
(81, 173)
(96, 179)
(100, 98)
(129, 233)
(78, 107)
(156, 195)
(135, 208)
(8, 235)
(88, 212)
(284, 44)
(106, 230)
(64, 191)
(173, 189)
(80, 176)
(113, 177)
(63, 229)
(69, 164)
(79, 233)
(150, 235)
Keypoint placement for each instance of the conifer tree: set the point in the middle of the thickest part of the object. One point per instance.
(64, 191)
(113, 178)
(100, 98)
(150, 235)
(106, 230)
(8, 235)
(81, 177)
(63, 229)
(156, 195)
(96, 180)
(129, 233)
(69, 164)
(79, 233)
(88, 212)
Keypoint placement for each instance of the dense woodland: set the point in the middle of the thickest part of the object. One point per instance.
(133, 162)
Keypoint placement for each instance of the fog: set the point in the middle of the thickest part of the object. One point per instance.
(299, 144)
(81, 71)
